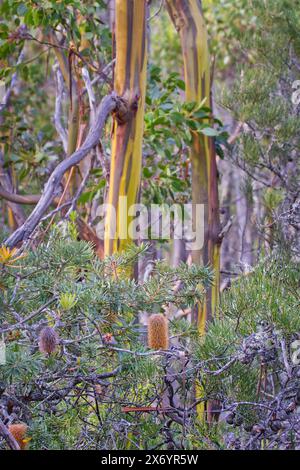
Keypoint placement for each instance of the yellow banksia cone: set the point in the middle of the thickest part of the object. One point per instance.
(158, 332)
(19, 432)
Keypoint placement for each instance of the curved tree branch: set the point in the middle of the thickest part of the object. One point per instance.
(11, 441)
(18, 198)
(108, 104)
(24, 199)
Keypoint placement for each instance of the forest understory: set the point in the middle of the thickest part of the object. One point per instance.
(150, 225)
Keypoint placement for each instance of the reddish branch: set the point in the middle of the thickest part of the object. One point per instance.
(144, 409)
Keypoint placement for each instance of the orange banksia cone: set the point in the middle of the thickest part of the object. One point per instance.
(158, 332)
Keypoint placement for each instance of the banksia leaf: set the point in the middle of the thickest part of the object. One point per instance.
(48, 340)
(8, 256)
(67, 301)
(158, 332)
(19, 431)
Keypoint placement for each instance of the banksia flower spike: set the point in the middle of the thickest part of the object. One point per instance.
(18, 431)
(158, 332)
(48, 340)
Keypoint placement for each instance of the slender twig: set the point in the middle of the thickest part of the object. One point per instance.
(79, 191)
(55, 211)
(137, 353)
(29, 317)
(157, 12)
(236, 133)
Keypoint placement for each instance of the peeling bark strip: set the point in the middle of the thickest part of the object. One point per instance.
(130, 84)
(188, 19)
(74, 111)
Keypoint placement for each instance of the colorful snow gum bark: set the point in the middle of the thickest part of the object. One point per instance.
(130, 84)
(188, 19)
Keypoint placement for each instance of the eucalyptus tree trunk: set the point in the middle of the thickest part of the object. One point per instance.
(188, 19)
(126, 155)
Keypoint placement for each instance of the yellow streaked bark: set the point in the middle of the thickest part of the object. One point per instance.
(126, 156)
(188, 19)
(10, 219)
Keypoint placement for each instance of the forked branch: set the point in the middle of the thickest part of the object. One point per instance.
(110, 103)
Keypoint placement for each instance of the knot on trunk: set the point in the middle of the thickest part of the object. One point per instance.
(125, 109)
(122, 112)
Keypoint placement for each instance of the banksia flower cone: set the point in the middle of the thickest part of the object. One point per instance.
(48, 340)
(158, 332)
(19, 432)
